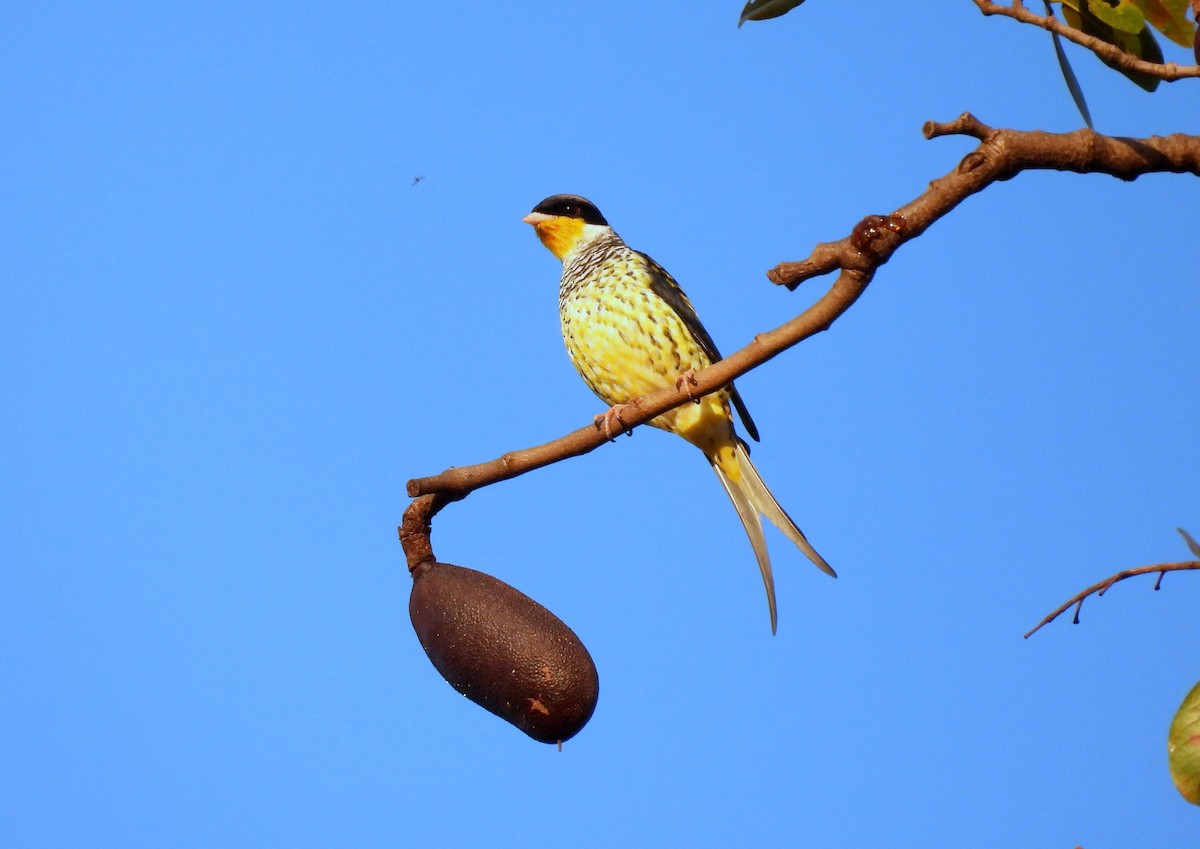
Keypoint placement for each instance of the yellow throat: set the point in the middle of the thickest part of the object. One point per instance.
(558, 233)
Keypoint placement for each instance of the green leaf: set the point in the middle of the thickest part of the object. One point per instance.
(1183, 747)
(1121, 15)
(1191, 543)
(760, 10)
(1169, 18)
(1141, 44)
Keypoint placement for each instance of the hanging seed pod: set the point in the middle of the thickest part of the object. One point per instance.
(503, 650)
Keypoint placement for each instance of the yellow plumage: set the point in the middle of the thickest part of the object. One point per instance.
(630, 330)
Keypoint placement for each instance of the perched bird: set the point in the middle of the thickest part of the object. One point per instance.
(631, 330)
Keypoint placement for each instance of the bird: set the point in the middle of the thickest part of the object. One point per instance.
(629, 330)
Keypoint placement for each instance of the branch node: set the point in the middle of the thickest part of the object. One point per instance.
(972, 161)
(875, 235)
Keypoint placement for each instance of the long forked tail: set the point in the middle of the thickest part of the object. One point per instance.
(751, 498)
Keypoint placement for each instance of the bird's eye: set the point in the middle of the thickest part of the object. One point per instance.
(571, 210)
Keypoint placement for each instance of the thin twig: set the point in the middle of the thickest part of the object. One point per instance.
(1102, 587)
(1169, 72)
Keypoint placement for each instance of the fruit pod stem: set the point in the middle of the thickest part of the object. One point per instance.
(414, 530)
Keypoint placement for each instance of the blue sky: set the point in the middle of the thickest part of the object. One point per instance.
(232, 329)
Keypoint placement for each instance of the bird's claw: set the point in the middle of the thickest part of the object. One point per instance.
(613, 414)
(688, 380)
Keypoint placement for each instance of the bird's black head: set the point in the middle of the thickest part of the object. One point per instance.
(571, 206)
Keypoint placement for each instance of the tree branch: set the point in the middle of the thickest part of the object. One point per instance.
(1102, 587)
(1169, 72)
(1001, 155)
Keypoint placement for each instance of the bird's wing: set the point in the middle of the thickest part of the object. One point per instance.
(664, 285)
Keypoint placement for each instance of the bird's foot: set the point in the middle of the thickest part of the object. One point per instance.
(606, 419)
(687, 380)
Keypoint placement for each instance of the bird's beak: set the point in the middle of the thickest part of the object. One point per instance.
(536, 218)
